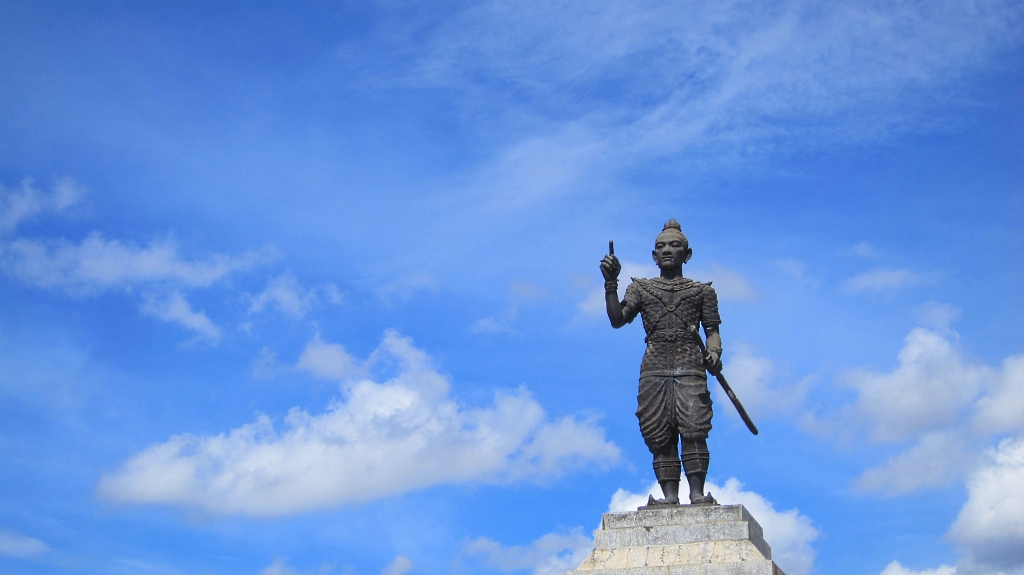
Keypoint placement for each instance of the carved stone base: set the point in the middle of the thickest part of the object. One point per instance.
(680, 540)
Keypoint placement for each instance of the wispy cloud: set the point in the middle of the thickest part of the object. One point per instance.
(18, 545)
(175, 308)
(882, 280)
(98, 264)
(381, 439)
(607, 86)
(285, 293)
(27, 201)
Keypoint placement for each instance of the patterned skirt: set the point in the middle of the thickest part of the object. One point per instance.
(668, 407)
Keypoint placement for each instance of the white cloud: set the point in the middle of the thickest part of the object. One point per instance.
(552, 554)
(623, 500)
(729, 285)
(328, 360)
(895, 568)
(98, 264)
(400, 566)
(990, 525)
(1001, 409)
(278, 567)
(938, 316)
(789, 533)
(175, 308)
(883, 279)
(936, 460)
(17, 545)
(929, 389)
(28, 201)
(290, 297)
(752, 379)
(379, 440)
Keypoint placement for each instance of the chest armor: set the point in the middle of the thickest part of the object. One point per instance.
(668, 309)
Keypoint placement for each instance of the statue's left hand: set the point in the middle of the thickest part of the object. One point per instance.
(713, 362)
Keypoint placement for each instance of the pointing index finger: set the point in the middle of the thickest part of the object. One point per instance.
(611, 248)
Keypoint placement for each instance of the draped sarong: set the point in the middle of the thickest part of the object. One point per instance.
(673, 406)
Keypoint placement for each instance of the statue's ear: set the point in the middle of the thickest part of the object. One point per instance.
(654, 255)
(689, 254)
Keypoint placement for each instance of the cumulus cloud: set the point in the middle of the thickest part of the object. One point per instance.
(1001, 409)
(286, 294)
(328, 360)
(753, 378)
(97, 264)
(378, 440)
(551, 554)
(789, 533)
(895, 568)
(27, 201)
(17, 545)
(928, 390)
(175, 308)
(882, 280)
(990, 525)
(400, 566)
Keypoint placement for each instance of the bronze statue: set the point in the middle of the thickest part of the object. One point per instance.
(673, 401)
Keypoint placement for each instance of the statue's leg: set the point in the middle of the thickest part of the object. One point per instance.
(696, 459)
(668, 470)
(654, 412)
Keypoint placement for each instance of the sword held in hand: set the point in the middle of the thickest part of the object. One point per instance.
(725, 384)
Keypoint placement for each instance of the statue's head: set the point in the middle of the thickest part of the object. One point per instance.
(671, 248)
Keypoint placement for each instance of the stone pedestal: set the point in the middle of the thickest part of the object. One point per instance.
(684, 540)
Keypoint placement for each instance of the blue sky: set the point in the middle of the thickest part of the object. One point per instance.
(313, 288)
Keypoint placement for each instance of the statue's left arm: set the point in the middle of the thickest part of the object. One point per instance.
(714, 347)
(711, 321)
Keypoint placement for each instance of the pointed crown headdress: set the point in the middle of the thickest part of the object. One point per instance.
(672, 226)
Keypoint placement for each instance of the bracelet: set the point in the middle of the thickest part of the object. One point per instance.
(611, 286)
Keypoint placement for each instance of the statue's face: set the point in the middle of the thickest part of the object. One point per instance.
(670, 251)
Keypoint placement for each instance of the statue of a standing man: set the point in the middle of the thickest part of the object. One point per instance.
(673, 401)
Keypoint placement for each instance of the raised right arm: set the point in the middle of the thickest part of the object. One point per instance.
(618, 314)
